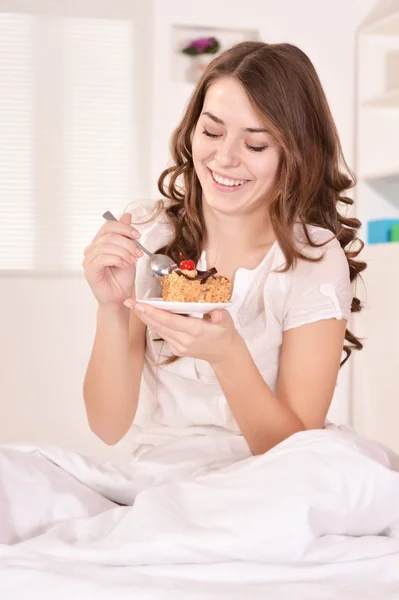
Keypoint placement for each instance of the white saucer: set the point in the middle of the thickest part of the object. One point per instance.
(196, 309)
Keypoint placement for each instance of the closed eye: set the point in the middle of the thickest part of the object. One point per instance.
(256, 148)
(209, 134)
(252, 148)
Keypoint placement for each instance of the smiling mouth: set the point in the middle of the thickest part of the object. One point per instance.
(226, 182)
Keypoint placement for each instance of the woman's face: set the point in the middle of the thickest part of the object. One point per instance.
(236, 160)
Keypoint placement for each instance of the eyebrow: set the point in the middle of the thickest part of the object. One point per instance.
(248, 129)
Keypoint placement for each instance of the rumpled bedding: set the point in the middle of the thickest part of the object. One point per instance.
(201, 517)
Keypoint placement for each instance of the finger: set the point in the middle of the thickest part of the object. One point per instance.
(119, 240)
(112, 240)
(117, 227)
(219, 317)
(106, 248)
(161, 329)
(125, 218)
(113, 249)
(189, 325)
(175, 349)
(215, 316)
(106, 260)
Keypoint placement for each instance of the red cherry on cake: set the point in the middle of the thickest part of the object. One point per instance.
(187, 265)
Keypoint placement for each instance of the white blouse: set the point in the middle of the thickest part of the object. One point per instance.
(185, 398)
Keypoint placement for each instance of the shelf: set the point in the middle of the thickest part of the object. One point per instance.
(387, 186)
(183, 68)
(387, 251)
(375, 405)
(387, 177)
(388, 100)
(387, 25)
(375, 410)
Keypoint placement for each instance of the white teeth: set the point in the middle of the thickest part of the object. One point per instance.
(228, 182)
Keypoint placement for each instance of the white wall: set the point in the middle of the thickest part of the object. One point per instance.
(47, 325)
(46, 331)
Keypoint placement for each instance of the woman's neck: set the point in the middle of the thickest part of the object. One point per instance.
(236, 241)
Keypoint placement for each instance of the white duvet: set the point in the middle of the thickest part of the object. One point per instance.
(199, 517)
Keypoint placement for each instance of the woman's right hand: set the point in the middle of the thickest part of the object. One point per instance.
(110, 262)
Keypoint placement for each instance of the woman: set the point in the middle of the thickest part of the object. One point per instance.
(227, 413)
(259, 157)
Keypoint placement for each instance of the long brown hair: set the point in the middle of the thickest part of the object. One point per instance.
(284, 89)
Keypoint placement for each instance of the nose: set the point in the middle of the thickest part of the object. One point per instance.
(227, 154)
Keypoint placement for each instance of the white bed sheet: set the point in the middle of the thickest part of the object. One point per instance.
(316, 517)
(51, 579)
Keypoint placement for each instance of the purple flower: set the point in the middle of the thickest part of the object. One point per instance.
(202, 45)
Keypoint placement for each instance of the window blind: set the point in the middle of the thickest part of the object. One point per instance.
(17, 211)
(67, 145)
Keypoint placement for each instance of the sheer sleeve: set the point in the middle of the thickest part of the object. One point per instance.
(150, 220)
(319, 290)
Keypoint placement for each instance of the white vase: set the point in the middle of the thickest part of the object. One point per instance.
(199, 63)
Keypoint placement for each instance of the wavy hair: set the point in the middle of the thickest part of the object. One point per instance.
(285, 91)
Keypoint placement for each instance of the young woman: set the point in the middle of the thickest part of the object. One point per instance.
(227, 414)
(255, 191)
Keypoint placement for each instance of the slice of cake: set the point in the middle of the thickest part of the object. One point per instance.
(189, 285)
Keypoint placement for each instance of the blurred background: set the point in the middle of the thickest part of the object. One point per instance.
(90, 92)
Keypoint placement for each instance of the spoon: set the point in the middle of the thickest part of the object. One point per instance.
(160, 263)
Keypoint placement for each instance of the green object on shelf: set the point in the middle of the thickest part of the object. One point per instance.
(395, 233)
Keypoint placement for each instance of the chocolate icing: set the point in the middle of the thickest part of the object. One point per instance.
(203, 276)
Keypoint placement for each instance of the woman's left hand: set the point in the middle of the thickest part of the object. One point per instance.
(211, 338)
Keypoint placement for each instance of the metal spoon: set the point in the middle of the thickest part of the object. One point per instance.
(160, 263)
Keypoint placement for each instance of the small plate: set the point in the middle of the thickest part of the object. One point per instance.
(186, 308)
